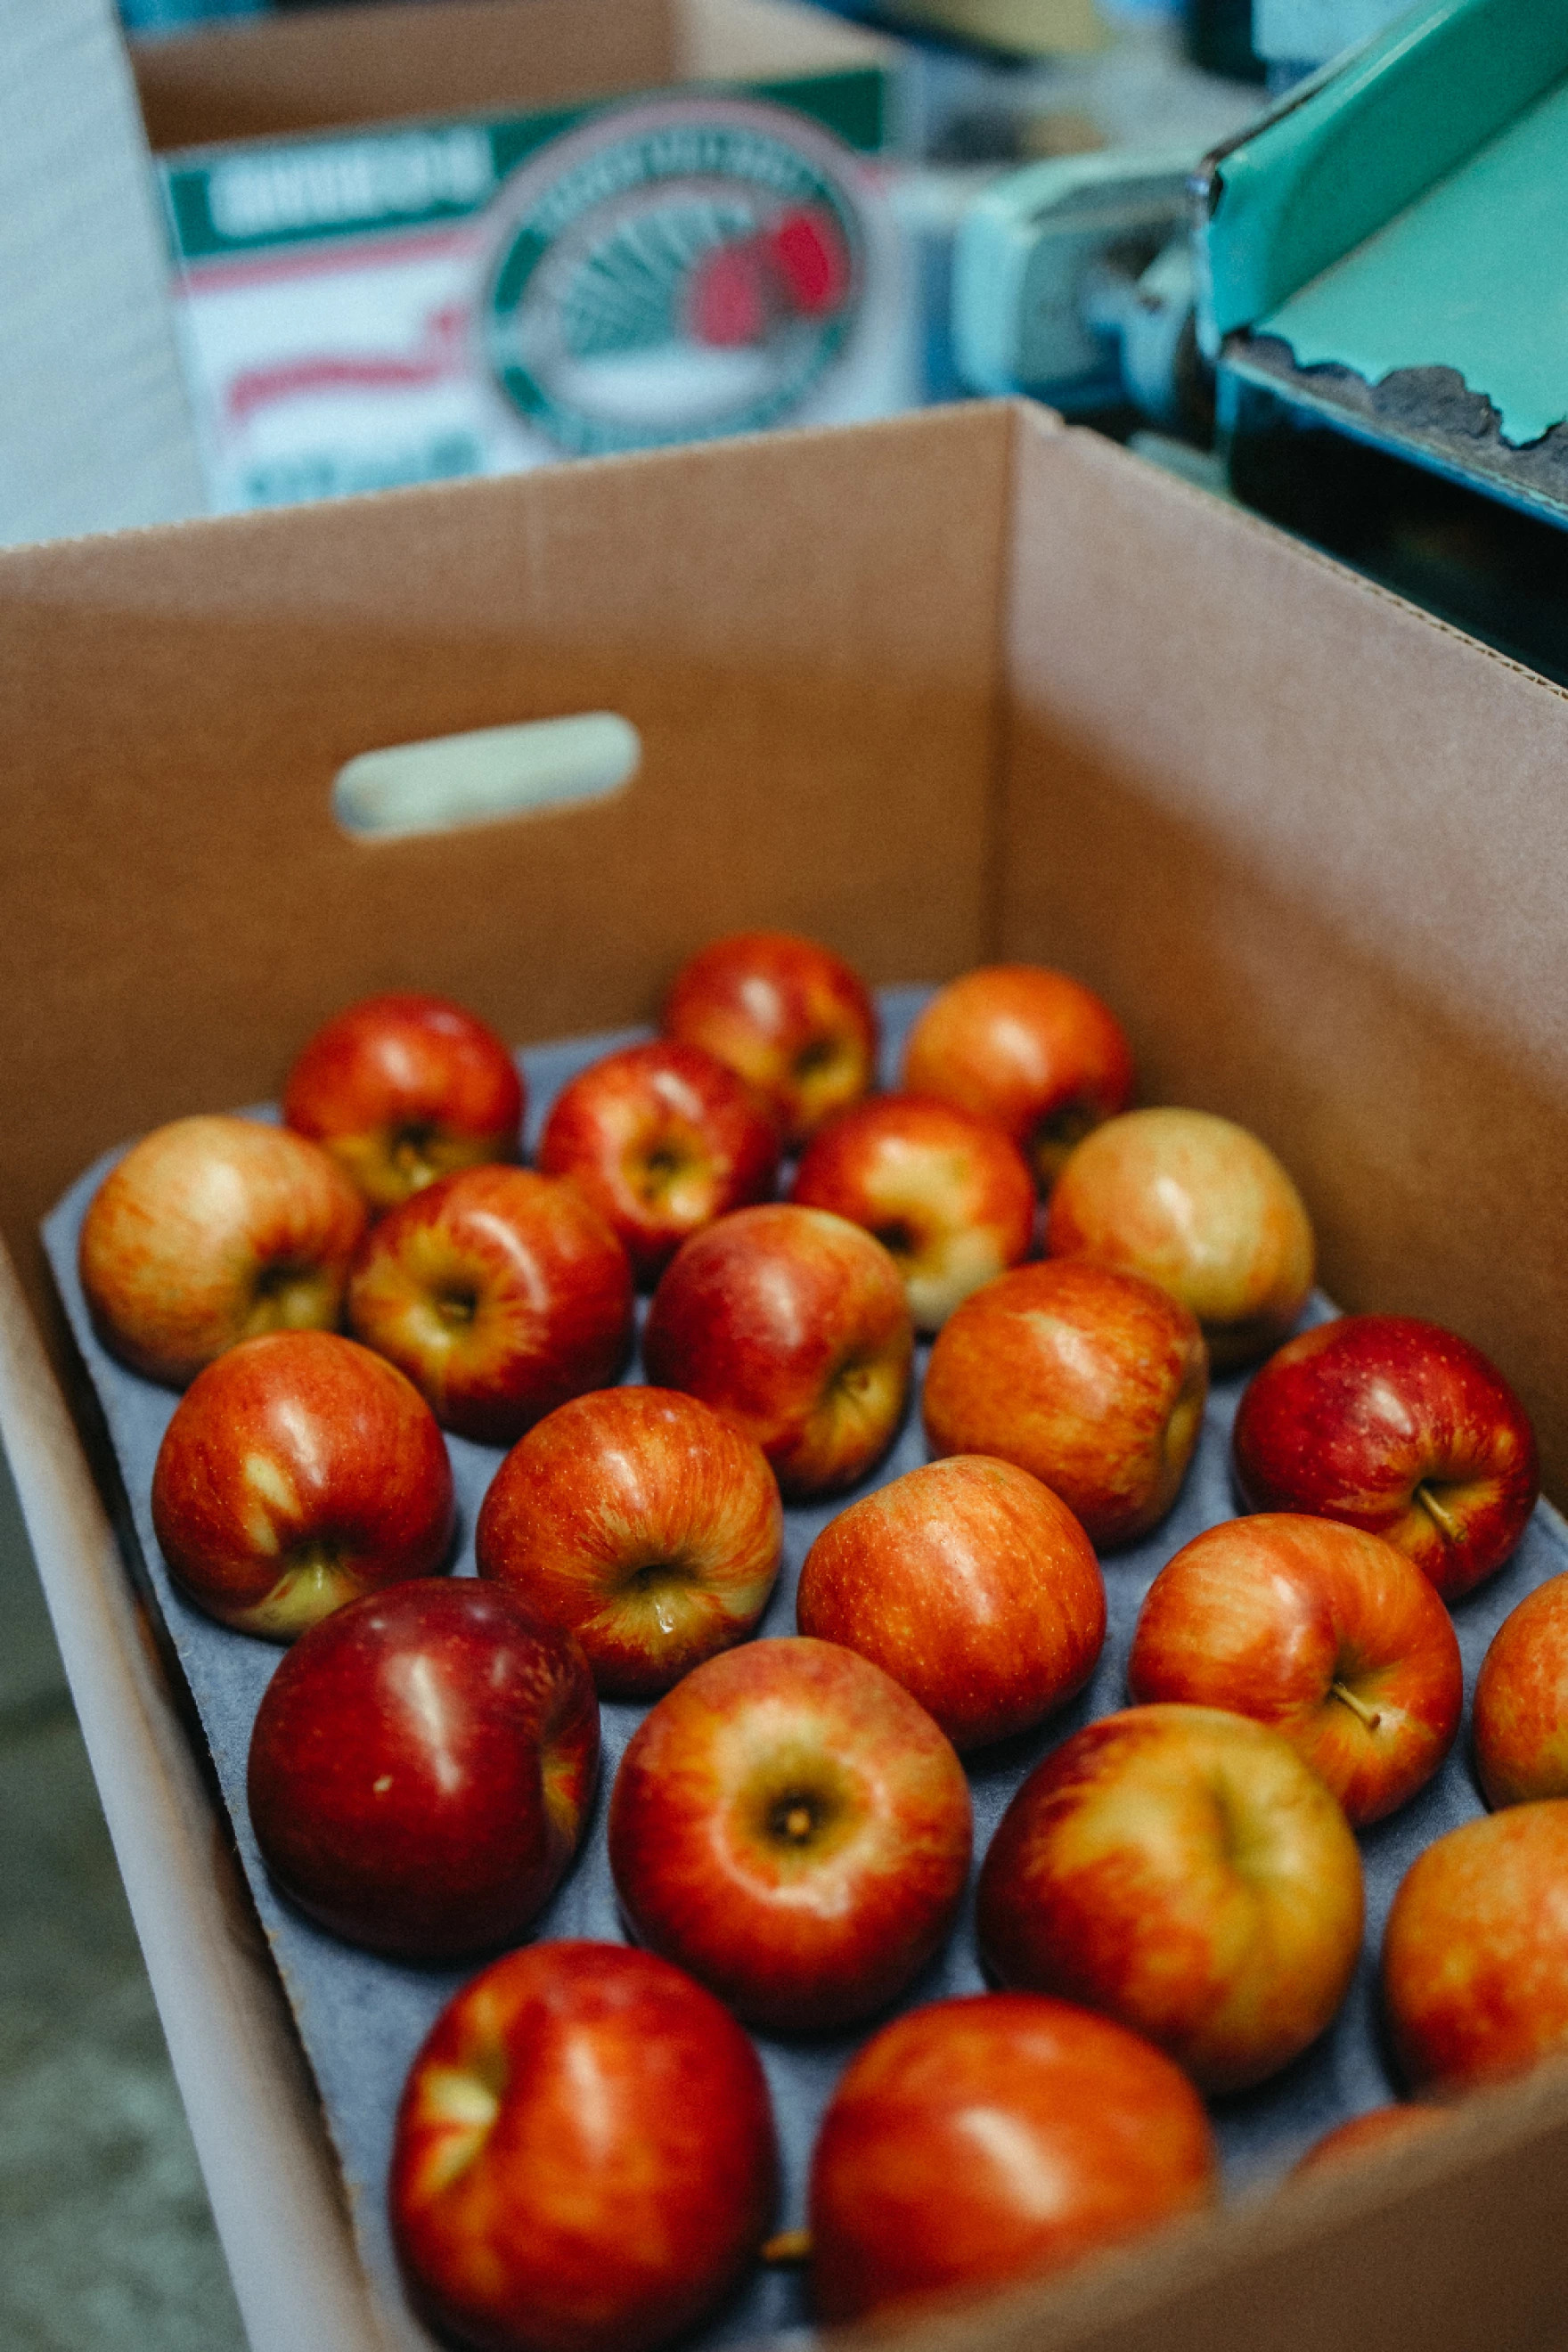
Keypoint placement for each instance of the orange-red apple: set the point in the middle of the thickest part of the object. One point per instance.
(793, 1018)
(1184, 1872)
(299, 1471)
(662, 1139)
(791, 1324)
(1093, 1381)
(643, 1523)
(584, 2157)
(210, 1231)
(1398, 1426)
(947, 1193)
(791, 1826)
(1029, 1048)
(1322, 1632)
(403, 1088)
(1519, 1713)
(1474, 1954)
(972, 1585)
(1200, 1206)
(500, 1293)
(991, 2138)
(1368, 2134)
(420, 1769)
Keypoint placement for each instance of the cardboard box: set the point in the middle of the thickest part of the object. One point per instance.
(556, 228)
(958, 685)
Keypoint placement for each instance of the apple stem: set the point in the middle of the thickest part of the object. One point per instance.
(789, 2246)
(1440, 1518)
(1358, 1706)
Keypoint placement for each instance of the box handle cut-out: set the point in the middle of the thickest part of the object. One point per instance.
(484, 775)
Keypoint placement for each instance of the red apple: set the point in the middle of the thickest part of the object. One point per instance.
(947, 1193)
(299, 1471)
(1474, 1954)
(788, 1014)
(1367, 2135)
(1092, 1380)
(1029, 1048)
(792, 1325)
(212, 1230)
(421, 1767)
(992, 2138)
(1519, 1713)
(1184, 1872)
(1322, 1632)
(584, 2157)
(1402, 1428)
(789, 1824)
(500, 1294)
(1202, 1208)
(404, 1088)
(662, 1139)
(644, 1525)
(972, 1585)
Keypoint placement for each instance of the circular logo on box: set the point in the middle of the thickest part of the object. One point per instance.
(672, 272)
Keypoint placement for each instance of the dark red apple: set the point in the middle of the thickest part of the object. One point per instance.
(1092, 1380)
(972, 1585)
(1029, 1048)
(642, 1523)
(210, 1231)
(299, 1471)
(1322, 1632)
(500, 1294)
(584, 2157)
(947, 1193)
(662, 1139)
(403, 1088)
(997, 2137)
(1400, 1427)
(791, 1826)
(421, 1766)
(791, 1324)
(790, 1016)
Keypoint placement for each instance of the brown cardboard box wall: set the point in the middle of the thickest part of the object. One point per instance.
(961, 685)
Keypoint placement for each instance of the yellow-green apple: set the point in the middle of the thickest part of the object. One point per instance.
(404, 1088)
(421, 1767)
(948, 1193)
(1398, 1426)
(1183, 1871)
(212, 1230)
(1000, 2137)
(793, 1018)
(972, 1585)
(1368, 2134)
(1322, 1632)
(299, 1471)
(791, 1826)
(1202, 1208)
(791, 1324)
(1474, 1954)
(1092, 1380)
(500, 1293)
(662, 1139)
(1519, 1713)
(584, 2157)
(1029, 1048)
(642, 1522)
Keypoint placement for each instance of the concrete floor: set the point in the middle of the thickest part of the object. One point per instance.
(106, 2238)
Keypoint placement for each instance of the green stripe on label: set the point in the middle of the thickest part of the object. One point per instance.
(258, 196)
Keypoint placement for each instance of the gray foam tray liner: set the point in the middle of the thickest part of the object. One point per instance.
(362, 2019)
